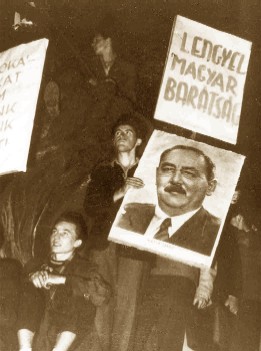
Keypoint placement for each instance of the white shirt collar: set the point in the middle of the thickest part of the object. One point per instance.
(176, 221)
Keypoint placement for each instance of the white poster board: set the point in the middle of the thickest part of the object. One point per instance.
(203, 82)
(21, 70)
(136, 214)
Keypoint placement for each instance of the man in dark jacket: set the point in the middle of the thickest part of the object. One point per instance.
(108, 184)
(110, 180)
(60, 293)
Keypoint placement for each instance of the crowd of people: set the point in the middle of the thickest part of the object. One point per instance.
(80, 291)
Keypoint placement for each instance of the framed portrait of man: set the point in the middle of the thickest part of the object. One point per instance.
(180, 211)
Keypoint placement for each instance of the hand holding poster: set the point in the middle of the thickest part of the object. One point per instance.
(20, 77)
(188, 186)
(203, 82)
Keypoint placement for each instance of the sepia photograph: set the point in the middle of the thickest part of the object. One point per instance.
(130, 138)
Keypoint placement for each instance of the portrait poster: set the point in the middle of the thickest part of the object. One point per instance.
(21, 70)
(203, 82)
(133, 223)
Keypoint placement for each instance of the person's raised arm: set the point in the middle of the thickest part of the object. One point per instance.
(43, 279)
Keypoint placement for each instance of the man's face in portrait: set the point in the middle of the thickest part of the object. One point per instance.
(182, 182)
(125, 138)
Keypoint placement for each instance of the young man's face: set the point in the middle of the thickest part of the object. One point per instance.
(125, 138)
(99, 44)
(181, 182)
(64, 238)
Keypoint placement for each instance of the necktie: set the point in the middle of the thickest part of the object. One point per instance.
(162, 233)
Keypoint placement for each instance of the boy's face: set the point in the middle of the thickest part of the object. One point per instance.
(64, 238)
(125, 138)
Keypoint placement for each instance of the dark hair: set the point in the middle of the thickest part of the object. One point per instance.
(107, 27)
(130, 120)
(210, 167)
(77, 219)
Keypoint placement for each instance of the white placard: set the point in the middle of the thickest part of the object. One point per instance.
(21, 70)
(203, 82)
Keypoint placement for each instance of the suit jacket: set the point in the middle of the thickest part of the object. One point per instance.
(197, 234)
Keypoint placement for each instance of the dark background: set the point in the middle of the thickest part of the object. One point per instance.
(142, 29)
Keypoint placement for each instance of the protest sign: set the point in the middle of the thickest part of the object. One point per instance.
(203, 82)
(21, 70)
(195, 182)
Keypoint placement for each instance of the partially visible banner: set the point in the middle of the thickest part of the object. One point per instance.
(203, 82)
(21, 70)
(189, 182)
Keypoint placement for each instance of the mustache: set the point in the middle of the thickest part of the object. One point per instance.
(175, 188)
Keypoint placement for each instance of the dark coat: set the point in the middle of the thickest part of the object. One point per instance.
(229, 273)
(121, 80)
(197, 234)
(105, 179)
(71, 306)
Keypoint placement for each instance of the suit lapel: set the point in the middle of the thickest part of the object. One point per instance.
(191, 230)
(140, 219)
